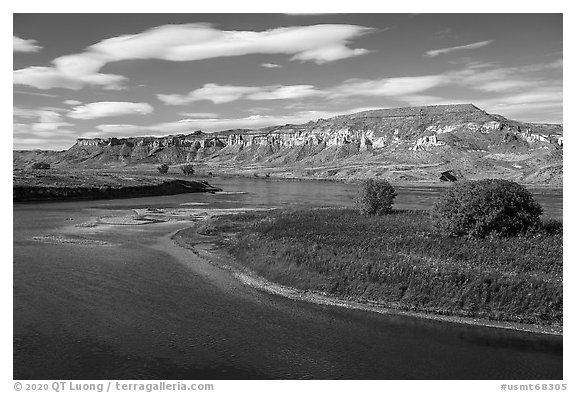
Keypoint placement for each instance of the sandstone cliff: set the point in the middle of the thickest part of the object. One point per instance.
(414, 143)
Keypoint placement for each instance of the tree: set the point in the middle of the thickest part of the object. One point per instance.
(486, 207)
(375, 197)
(187, 169)
(163, 169)
(40, 165)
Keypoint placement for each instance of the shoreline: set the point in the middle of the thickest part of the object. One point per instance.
(249, 278)
(54, 193)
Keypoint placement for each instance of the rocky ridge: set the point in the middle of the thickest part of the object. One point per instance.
(364, 144)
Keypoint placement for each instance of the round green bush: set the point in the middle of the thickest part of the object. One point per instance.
(40, 165)
(187, 169)
(163, 169)
(486, 207)
(375, 197)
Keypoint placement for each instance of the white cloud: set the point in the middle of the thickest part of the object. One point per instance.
(44, 115)
(485, 78)
(25, 46)
(72, 102)
(475, 45)
(198, 41)
(220, 94)
(270, 65)
(49, 126)
(329, 53)
(199, 115)
(34, 93)
(97, 110)
(388, 87)
(42, 121)
(118, 129)
(50, 77)
(284, 92)
(191, 42)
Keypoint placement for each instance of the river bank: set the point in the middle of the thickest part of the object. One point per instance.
(53, 185)
(417, 285)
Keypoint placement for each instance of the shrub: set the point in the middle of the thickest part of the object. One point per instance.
(187, 169)
(486, 207)
(40, 165)
(163, 169)
(375, 197)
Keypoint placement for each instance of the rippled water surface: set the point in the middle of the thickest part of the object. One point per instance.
(124, 303)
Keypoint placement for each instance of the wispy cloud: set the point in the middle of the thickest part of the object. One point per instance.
(51, 77)
(34, 93)
(442, 51)
(443, 33)
(97, 110)
(41, 120)
(25, 46)
(200, 115)
(192, 42)
(270, 65)
(474, 77)
(72, 102)
(388, 87)
(220, 94)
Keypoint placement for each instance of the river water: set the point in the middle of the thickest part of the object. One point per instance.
(126, 304)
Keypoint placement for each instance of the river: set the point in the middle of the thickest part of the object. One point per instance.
(127, 304)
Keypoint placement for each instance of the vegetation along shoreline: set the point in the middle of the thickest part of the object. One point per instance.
(502, 267)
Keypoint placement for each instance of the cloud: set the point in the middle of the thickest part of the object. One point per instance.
(479, 77)
(493, 79)
(475, 45)
(50, 77)
(388, 87)
(49, 126)
(192, 42)
(72, 102)
(443, 33)
(118, 129)
(25, 46)
(199, 41)
(42, 120)
(97, 110)
(220, 94)
(284, 92)
(33, 93)
(270, 65)
(42, 114)
(199, 115)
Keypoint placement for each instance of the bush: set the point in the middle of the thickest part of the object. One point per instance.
(187, 169)
(40, 165)
(486, 207)
(375, 197)
(163, 169)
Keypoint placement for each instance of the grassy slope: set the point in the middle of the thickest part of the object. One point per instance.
(399, 260)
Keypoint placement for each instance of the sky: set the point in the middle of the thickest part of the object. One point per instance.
(117, 75)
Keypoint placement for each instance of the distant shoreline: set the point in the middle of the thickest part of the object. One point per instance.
(47, 186)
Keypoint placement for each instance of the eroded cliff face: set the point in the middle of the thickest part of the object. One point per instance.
(415, 128)
(414, 142)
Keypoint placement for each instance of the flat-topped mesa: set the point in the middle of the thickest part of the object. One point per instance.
(416, 111)
(408, 128)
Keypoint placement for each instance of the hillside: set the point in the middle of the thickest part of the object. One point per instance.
(402, 144)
